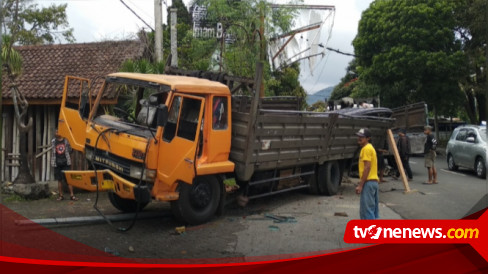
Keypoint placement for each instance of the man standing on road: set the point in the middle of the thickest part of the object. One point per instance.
(430, 155)
(61, 160)
(368, 181)
(403, 145)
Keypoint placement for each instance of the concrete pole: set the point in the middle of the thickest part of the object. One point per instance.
(174, 35)
(158, 26)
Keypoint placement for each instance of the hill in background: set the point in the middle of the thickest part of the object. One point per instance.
(320, 95)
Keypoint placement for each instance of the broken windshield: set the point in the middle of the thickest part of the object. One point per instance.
(136, 101)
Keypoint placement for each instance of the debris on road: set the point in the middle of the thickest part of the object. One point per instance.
(131, 249)
(341, 214)
(180, 229)
(112, 252)
(273, 228)
(280, 219)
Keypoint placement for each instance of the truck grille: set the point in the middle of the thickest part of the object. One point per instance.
(105, 159)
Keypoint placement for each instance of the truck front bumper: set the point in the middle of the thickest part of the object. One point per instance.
(106, 180)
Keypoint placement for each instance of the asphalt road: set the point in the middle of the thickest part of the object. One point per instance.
(456, 194)
(243, 233)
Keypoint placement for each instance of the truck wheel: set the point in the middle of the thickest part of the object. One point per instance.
(313, 186)
(198, 202)
(124, 205)
(329, 178)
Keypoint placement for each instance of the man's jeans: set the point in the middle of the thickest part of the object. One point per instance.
(368, 205)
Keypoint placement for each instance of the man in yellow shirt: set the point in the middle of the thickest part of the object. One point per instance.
(368, 177)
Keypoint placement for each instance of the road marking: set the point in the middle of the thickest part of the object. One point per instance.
(452, 172)
(412, 162)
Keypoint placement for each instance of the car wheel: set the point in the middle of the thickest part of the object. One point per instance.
(480, 167)
(450, 163)
(198, 202)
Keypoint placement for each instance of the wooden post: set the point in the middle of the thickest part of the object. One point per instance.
(392, 144)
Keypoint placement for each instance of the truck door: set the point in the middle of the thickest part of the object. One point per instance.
(75, 108)
(178, 148)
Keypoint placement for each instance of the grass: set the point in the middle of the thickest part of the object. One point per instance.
(13, 198)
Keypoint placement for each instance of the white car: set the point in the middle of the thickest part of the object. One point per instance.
(467, 148)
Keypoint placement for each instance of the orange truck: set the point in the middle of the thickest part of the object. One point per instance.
(179, 139)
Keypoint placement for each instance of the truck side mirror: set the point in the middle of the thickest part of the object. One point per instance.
(162, 116)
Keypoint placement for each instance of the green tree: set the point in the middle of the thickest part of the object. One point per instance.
(347, 83)
(473, 31)
(27, 24)
(35, 25)
(318, 106)
(409, 51)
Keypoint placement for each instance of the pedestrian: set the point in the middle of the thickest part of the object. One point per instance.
(61, 160)
(403, 145)
(430, 155)
(380, 155)
(368, 177)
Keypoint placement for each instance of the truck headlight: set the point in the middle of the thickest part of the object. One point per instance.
(89, 154)
(149, 174)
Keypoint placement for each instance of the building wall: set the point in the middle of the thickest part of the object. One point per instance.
(45, 118)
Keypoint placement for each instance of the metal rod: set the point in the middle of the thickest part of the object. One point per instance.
(278, 191)
(92, 219)
(280, 178)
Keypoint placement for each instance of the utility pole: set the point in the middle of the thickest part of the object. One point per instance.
(174, 41)
(158, 26)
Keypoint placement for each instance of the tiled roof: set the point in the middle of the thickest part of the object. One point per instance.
(44, 67)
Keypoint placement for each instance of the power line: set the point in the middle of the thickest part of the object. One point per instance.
(137, 15)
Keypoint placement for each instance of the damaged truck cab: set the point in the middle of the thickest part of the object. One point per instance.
(169, 144)
(177, 138)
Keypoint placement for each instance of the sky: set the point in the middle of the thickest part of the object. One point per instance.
(98, 20)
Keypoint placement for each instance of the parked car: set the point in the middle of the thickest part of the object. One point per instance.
(467, 148)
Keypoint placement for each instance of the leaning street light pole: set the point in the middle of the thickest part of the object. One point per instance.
(158, 27)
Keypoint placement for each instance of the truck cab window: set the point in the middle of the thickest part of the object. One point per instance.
(170, 128)
(219, 113)
(188, 123)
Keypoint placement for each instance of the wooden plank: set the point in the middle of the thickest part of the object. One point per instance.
(30, 142)
(289, 132)
(2, 146)
(15, 147)
(44, 141)
(393, 147)
(291, 119)
(8, 139)
(38, 161)
(278, 144)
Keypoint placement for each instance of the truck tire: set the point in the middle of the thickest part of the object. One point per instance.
(329, 178)
(198, 202)
(312, 182)
(124, 205)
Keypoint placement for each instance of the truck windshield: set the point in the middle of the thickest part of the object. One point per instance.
(136, 102)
